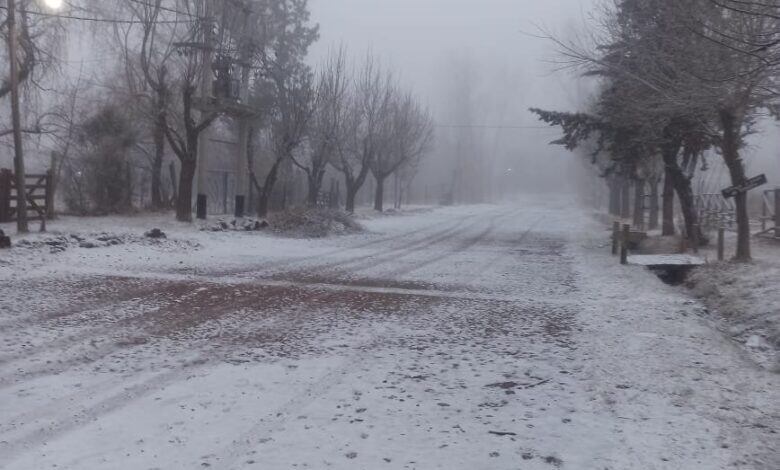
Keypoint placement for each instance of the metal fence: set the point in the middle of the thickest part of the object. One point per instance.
(715, 211)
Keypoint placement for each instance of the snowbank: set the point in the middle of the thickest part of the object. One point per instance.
(745, 300)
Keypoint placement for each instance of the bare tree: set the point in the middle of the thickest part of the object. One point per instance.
(32, 39)
(187, 111)
(328, 117)
(409, 136)
(147, 75)
(282, 95)
(365, 126)
(287, 125)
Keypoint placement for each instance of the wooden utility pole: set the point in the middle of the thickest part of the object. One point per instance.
(201, 202)
(244, 120)
(21, 191)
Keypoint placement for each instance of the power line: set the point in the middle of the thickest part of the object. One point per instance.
(486, 126)
(95, 19)
(168, 9)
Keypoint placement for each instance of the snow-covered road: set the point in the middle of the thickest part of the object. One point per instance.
(482, 337)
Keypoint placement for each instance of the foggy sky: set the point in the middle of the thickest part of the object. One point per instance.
(417, 35)
(420, 37)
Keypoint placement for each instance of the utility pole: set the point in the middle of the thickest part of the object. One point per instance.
(201, 205)
(21, 190)
(242, 157)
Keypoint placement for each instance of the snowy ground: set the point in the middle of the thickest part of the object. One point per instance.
(483, 337)
(744, 299)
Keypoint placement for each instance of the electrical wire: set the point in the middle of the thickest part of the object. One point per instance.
(485, 126)
(168, 9)
(94, 19)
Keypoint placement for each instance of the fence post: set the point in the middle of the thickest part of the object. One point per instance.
(764, 208)
(5, 195)
(50, 194)
(615, 238)
(721, 244)
(624, 244)
(777, 212)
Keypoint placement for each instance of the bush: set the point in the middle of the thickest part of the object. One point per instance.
(313, 223)
(100, 182)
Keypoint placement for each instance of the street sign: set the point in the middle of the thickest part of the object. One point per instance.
(752, 183)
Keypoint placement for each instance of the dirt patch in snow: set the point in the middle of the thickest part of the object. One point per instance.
(746, 301)
(313, 223)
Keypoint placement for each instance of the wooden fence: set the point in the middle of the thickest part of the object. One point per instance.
(37, 190)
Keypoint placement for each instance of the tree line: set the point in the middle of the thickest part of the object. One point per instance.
(158, 75)
(676, 79)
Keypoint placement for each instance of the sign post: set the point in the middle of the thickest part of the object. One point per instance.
(752, 183)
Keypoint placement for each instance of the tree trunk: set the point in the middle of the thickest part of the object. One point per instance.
(352, 190)
(667, 228)
(312, 196)
(682, 186)
(730, 152)
(262, 205)
(403, 191)
(614, 196)
(315, 187)
(172, 175)
(625, 198)
(157, 163)
(676, 177)
(184, 197)
(639, 204)
(379, 195)
(654, 209)
(267, 189)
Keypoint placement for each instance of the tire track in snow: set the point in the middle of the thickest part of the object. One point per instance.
(86, 414)
(112, 330)
(329, 254)
(276, 419)
(90, 333)
(464, 245)
(363, 261)
(140, 291)
(66, 423)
